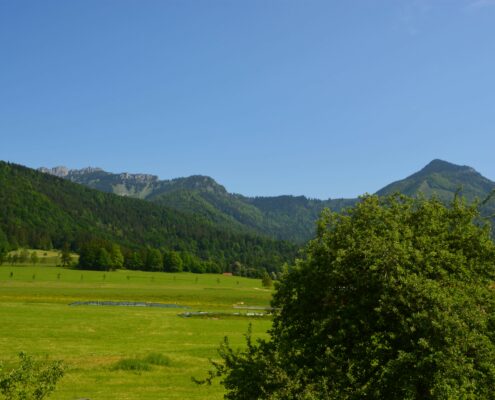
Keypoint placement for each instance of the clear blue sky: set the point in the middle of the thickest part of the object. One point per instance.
(321, 98)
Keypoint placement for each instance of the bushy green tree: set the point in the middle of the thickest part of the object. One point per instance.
(190, 263)
(116, 256)
(266, 280)
(88, 254)
(104, 260)
(30, 380)
(154, 260)
(393, 299)
(236, 268)
(172, 261)
(134, 260)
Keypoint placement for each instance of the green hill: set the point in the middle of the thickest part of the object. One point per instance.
(40, 211)
(443, 179)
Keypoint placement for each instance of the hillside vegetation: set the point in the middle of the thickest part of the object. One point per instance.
(42, 211)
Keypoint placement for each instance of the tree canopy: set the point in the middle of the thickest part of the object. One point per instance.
(392, 299)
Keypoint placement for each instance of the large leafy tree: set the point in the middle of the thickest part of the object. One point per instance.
(393, 299)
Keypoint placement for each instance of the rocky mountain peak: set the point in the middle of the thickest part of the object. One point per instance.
(59, 171)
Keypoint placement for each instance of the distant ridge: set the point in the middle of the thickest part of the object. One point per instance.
(283, 217)
(63, 172)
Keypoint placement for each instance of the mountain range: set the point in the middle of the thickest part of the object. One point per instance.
(194, 216)
(284, 217)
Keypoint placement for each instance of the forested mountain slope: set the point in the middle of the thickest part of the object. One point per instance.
(283, 217)
(40, 210)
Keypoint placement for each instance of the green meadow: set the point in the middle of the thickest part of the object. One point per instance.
(122, 352)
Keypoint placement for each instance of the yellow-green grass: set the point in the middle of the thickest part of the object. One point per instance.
(36, 317)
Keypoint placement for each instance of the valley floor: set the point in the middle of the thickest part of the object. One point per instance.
(37, 318)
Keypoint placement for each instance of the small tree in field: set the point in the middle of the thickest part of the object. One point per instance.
(393, 299)
(65, 257)
(30, 380)
(116, 256)
(266, 280)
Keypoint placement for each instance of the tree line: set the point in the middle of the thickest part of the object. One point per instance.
(104, 256)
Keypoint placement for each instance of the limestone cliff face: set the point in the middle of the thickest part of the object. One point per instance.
(59, 171)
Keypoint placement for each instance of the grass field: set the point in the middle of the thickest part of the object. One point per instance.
(105, 347)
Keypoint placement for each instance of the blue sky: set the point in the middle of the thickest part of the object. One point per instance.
(321, 98)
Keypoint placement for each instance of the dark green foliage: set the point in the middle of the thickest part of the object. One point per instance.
(133, 260)
(266, 280)
(103, 259)
(237, 268)
(393, 299)
(31, 379)
(39, 210)
(191, 263)
(154, 261)
(116, 256)
(172, 261)
(94, 255)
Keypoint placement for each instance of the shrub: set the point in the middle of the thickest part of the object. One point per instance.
(31, 379)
